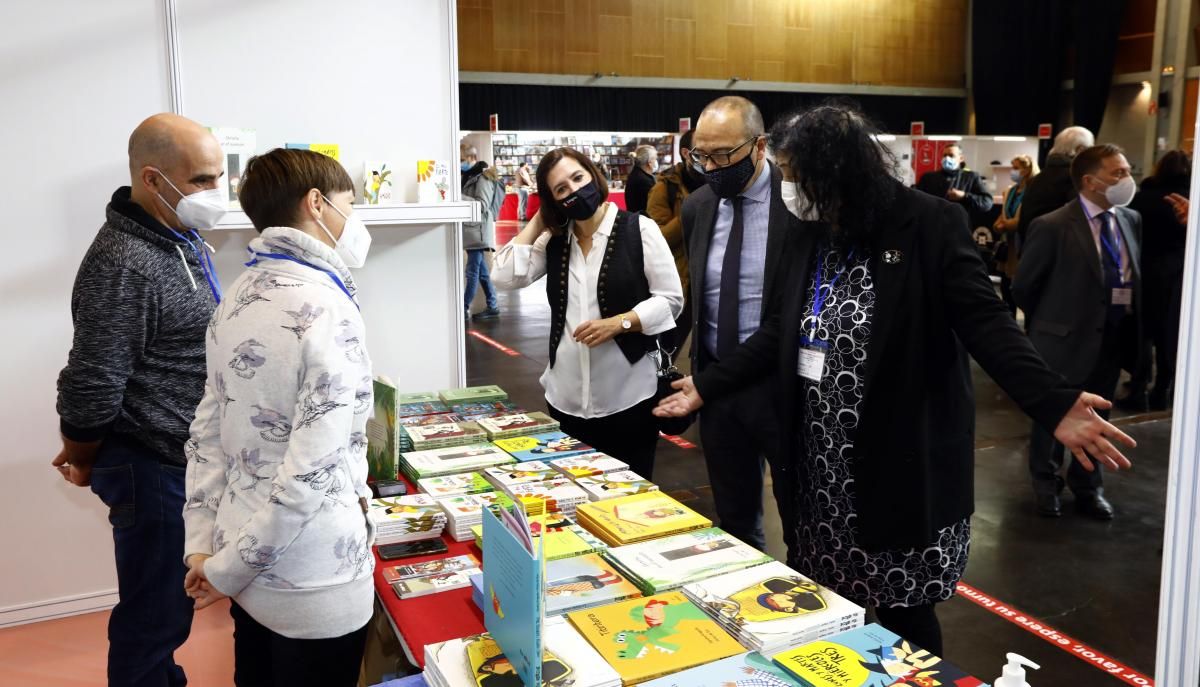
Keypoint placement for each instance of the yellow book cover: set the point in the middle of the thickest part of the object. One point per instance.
(491, 668)
(647, 638)
(641, 516)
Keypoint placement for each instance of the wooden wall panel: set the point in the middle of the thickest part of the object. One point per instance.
(878, 42)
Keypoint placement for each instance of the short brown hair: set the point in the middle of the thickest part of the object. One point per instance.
(1090, 160)
(552, 210)
(275, 183)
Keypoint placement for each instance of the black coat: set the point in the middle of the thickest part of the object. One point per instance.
(1047, 191)
(977, 201)
(915, 442)
(637, 190)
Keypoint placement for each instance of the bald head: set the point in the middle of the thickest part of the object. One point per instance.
(182, 150)
(725, 132)
(733, 113)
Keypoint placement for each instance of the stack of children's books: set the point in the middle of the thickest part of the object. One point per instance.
(870, 656)
(477, 661)
(517, 424)
(453, 485)
(466, 511)
(417, 465)
(614, 484)
(440, 575)
(631, 519)
(404, 439)
(406, 518)
(588, 465)
(424, 437)
(472, 411)
(473, 394)
(558, 495)
(544, 446)
(505, 477)
(668, 563)
(584, 582)
(744, 670)
(650, 637)
(771, 607)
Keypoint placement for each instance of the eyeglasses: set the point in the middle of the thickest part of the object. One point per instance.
(722, 159)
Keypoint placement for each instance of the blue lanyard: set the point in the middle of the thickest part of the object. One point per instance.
(298, 261)
(818, 281)
(206, 263)
(1114, 251)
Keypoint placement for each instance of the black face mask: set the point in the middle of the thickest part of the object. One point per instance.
(583, 203)
(728, 181)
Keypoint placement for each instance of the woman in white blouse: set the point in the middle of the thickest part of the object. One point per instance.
(613, 287)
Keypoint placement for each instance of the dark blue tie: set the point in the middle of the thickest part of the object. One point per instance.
(731, 274)
(1110, 250)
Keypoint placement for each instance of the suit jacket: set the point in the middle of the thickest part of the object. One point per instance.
(699, 217)
(1047, 191)
(637, 190)
(977, 201)
(915, 441)
(1060, 286)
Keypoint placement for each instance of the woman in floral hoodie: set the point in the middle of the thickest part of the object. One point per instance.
(276, 476)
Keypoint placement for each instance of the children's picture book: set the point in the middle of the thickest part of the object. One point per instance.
(432, 584)
(330, 149)
(583, 582)
(451, 564)
(558, 495)
(745, 670)
(474, 410)
(504, 426)
(418, 397)
(545, 446)
(433, 181)
(630, 519)
(377, 183)
(421, 408)
(869, 656)
(613, 484)
(473, 394)
(650, 637)
(560, 537)
(383, 439)
(506, 476)
(452, 485)
(453, 459)
(237, 147)
(444, 434)
(514, 588)
(670, 562)
(588, 465)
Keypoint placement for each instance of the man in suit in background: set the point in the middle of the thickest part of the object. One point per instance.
(1052, 188)
(734, 230)
(641, 179)
(957, 184)
(1079, 283)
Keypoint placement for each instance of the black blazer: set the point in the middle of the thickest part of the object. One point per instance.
(699, 216)
(915, 442)
(1047, 191)
(1060, 286)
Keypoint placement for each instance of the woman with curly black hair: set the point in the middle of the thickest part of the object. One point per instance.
(866, 339)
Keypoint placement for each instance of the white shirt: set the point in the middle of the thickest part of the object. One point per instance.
(597, 382)
(1093, 212)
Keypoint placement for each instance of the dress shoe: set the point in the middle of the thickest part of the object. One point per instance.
(1094, 506)
(1048, 505)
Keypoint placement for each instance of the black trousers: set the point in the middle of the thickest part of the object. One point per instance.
(263, 658)
(631, 434)
(1046, 455)
(740, 435)
(917, 624)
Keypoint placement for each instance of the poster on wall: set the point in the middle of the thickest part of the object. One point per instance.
(916, 129)
(493, 123)
(927, 156)
(685, 124)
(237, 147)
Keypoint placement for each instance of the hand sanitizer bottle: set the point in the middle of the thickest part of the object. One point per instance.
(1013, 674)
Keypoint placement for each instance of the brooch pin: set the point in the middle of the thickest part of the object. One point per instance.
(892, 257)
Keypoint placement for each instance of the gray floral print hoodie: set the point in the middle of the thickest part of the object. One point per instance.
(276, 463)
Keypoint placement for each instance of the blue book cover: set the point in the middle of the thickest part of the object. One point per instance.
(743, 670)
(477, 590)
(513, 584)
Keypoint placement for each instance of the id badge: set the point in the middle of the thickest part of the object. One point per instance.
(1122, 296)
(811, 364)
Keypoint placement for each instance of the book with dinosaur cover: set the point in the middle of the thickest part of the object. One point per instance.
(448, 461)
(588, 465)
(869, 656)
(545, 446)
(450, 564)
(585, 581)
(454, 485)
(512, 474)
(425, 437)
(504, 426)
(614, 484)
(432, 584)
(473, 394)
(668, 563)
(744, 670)
(412, 517)
(654, 636)
(772, 607)
(630, 519)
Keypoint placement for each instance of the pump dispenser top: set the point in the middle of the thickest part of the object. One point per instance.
(1014, 672)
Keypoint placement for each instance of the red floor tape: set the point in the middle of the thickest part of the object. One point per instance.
(678, 441)
(493, 343)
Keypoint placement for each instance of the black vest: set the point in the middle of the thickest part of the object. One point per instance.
(622, 283)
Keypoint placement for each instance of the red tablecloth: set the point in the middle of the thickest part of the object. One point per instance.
(508, 211)
(435, 617)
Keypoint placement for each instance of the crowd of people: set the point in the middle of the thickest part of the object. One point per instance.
(830, 312)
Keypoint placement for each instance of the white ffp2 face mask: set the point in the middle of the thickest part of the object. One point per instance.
(795, 200)
(201, 210)
(355, 243)
(1121, 193)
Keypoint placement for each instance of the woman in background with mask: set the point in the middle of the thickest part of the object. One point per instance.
(276, 492)
(1024, 168)
(613, 287)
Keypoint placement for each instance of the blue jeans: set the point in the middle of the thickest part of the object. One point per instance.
(154, 616)
(522, 202)
(477, 273)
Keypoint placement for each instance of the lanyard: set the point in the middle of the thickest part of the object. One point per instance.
(1113, 250)
(206, 263)
(298, 261)
(818, 297)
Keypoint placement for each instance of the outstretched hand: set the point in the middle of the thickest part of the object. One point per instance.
(681, 404)
(1090, 437)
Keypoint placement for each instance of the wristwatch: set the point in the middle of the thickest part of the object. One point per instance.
(626, 323)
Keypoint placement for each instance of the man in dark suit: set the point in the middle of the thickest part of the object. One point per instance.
(957, 184)
(641, 179)
(1052, 188)
(733, 229)
(1079, 283)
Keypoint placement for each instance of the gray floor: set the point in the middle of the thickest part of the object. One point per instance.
(1097, 582)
